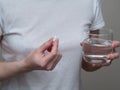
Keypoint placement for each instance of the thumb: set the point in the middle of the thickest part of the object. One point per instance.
(46, 45)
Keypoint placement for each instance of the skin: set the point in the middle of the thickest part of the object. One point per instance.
(39, 60)
(93, 67)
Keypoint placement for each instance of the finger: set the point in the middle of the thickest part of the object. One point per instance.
(114, 50)
(106, 64)
(46, 45)
(48, 59)
(113, 56)
(49, 66)
(55, 46)
(54, 62)
(115, 44)
(98, 65)
(51, 55)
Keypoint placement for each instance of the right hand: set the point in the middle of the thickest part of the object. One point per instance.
(39, 60)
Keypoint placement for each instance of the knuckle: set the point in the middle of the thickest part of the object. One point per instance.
(54, 54)
(118, 55)
(43, 64)
(107, 64)
(118, 43)
(59, 53)
(46, 44)
(49, 69)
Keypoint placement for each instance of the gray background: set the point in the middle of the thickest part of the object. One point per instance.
(107, 78)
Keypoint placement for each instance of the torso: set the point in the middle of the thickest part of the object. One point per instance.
(29, 23)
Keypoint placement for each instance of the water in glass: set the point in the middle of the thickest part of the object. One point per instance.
(96, 50)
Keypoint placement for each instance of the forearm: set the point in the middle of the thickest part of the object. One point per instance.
(10, 69)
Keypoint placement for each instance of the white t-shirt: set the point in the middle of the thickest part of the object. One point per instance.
(26, 24)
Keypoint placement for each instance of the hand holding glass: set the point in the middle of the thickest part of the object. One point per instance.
(97, 46)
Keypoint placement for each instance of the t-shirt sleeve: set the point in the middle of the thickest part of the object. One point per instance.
(0, 28)
(0, 22)
(98, 21)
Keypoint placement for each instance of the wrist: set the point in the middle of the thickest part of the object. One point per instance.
(24, 65)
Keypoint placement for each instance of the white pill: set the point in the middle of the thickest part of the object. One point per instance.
(55, 37)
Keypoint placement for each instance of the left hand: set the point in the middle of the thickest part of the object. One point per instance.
(114, 55)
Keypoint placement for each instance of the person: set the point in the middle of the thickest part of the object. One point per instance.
(32, 58)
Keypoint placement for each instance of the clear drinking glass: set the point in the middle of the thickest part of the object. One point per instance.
(97, 46)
